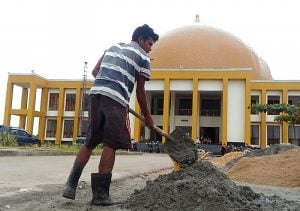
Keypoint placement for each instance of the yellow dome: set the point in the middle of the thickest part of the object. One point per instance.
(202, 47)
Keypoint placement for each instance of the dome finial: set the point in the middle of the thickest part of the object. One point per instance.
(197, 19)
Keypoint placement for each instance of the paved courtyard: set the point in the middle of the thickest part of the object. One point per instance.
(31, 171)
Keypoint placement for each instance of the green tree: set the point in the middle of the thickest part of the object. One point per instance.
(289, 113)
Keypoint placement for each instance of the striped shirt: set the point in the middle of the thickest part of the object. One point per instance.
(121, 65)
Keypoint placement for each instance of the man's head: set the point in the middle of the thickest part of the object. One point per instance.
(145, 37)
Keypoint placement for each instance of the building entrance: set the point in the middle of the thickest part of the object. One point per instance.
(210, 135)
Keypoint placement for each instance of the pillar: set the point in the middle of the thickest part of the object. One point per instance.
(224, 111)
(195, 117)
(285, 125)
(24, 101)
(8, 103)
(60, 114)
(77, 116)
(137, 123)
(166, 111)
(172, 111)
(247, 112)
(31, 107)
(263, 127)
(43, 110)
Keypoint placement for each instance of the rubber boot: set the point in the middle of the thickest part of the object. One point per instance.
(100, 189)
(71, 185)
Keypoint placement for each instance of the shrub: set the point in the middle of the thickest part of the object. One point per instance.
(7, 140)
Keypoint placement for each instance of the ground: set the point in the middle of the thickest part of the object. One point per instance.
(134, 187)
(48, 197)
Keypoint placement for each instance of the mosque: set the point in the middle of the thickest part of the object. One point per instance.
(203, 80)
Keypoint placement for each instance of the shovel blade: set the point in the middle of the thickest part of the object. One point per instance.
(181, 148)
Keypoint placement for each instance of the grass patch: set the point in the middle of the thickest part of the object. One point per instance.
(72, 148)
(63, 149)
(76, 148)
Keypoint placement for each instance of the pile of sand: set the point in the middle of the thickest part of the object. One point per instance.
(221, 162)
(201, 186)
(277, 166)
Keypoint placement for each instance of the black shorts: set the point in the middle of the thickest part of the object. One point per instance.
(108, 123)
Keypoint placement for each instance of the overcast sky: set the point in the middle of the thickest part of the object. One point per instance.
(55, 37)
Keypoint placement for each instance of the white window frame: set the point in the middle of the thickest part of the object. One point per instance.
(63, 128)
(259, 133)
(49, 138)
(69, 113)
(280, 132)
(52, 113)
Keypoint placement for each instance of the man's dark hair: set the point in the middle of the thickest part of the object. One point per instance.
(145, 32)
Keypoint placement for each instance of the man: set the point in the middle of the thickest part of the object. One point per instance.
(116, 73)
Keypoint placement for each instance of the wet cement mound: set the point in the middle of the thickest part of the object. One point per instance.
(274, 149)
(182, 149)
(202, 186)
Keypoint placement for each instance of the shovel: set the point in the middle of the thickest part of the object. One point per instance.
(178, 145)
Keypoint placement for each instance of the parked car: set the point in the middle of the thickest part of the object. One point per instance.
(22, 137)
(80, 140)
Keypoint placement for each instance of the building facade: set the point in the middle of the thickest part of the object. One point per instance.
(203, 80)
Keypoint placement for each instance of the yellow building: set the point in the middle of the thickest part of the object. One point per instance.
(203, 80)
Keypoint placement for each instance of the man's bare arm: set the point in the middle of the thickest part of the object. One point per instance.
(142, 100)
(97, 67)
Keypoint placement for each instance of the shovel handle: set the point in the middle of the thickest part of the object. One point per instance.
(157, 129)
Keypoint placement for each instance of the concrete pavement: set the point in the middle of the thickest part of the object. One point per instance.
(27, 172)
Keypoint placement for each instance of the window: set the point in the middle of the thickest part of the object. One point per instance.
(14, 132)
(157, 104)
(254, 134)
(53, 101)
(183, 107)
(70, 102)
(254, 100)
(210, 107)
(294, 135)
(68, 128)
(273, 100)
(51, 128)
(273, 134)
(293, 100)
(22, 133)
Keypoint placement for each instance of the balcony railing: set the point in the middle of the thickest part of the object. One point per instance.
(184, 112)
(188, 112)
(207, 112)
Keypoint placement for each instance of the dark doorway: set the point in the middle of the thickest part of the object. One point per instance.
(210, 132)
